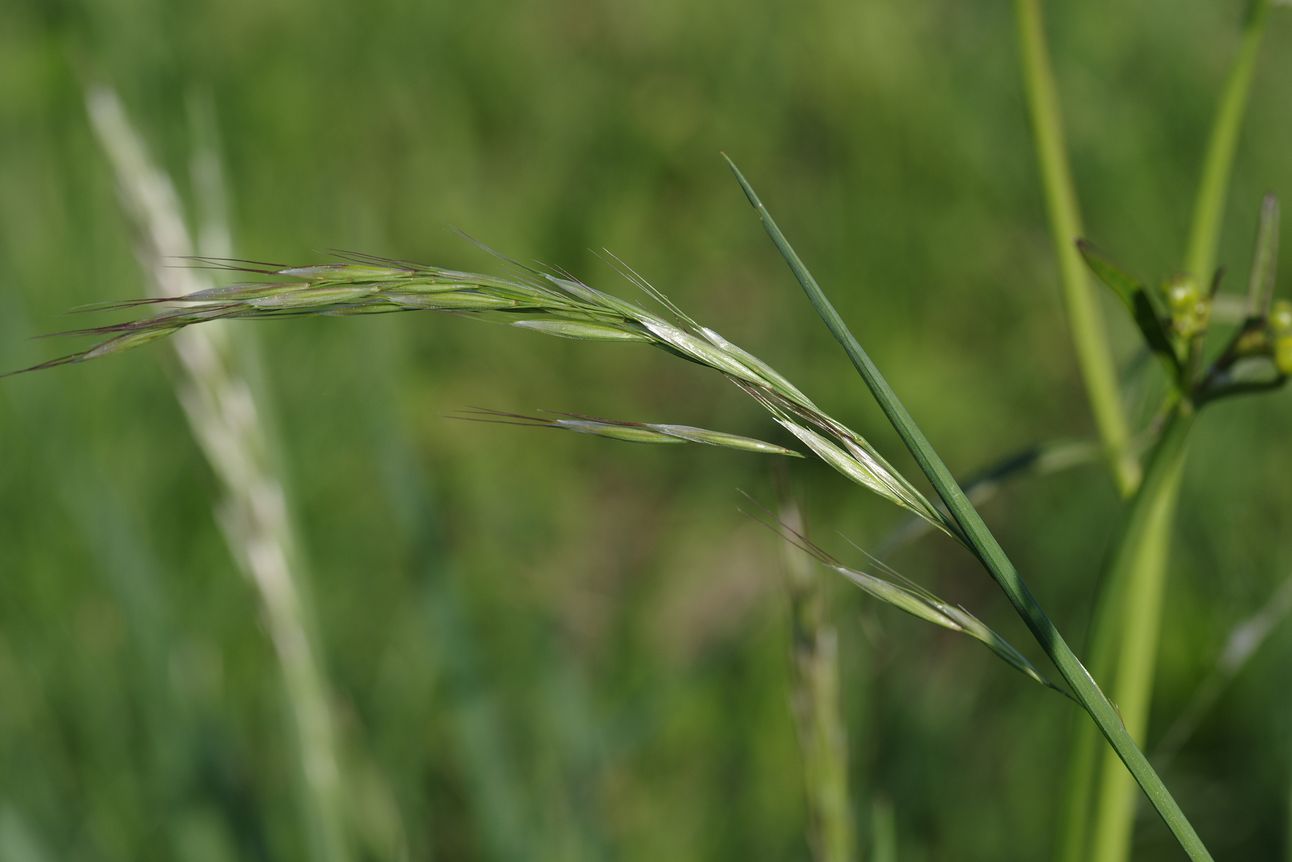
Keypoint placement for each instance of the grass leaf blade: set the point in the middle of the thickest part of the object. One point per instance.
(984, 545)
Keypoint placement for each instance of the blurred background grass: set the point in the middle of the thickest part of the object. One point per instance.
(546, 647)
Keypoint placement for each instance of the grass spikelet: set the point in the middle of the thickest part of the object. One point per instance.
(313, 297)
(632, 432)
(914, 600)
(840, 460)
(460, 300)
(127, 341)
(343, 272)
(243, 291)
(778, 381)
(700, 350)
(583, 331)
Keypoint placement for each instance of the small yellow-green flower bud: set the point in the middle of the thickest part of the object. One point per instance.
(1181, 294)
(1283, 354)
(1190, 308)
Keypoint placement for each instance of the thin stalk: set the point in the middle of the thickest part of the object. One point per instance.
(817, 711)
(1134, 574)
(224, 415)
(1124, 631)
(1136, 581)
(987, 549)
(1209, 206)
(883, 828)
(1088, 335)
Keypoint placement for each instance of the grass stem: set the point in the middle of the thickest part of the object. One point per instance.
(817, 710)
(1088, 335)
(1124, 643)
(1134, 575)
(1209, 206)
(224, 414)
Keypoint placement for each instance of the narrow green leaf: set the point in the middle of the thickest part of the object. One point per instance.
(1148, 318)
(1141, 302)
(1118, 280)
(985, 546)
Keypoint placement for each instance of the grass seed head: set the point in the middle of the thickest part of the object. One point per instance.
(543, 302)
(312, 297)
(343, 272)
(460, 300)
(584, 331)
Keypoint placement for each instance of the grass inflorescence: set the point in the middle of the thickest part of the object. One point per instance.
(539, 301)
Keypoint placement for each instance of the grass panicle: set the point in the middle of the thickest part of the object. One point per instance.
(537, 301)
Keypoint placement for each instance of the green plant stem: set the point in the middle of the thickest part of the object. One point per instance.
(1139, 613)
(1209, 206)
(883, 829)
(980, 540)
(1123, 649)
(1288, 844)
(1089, 338)
(1124, 631)
(817, 710)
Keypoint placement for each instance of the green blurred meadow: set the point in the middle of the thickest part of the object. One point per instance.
(547, 647)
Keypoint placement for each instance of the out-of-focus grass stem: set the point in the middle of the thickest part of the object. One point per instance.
(1124, 629)
(815, 698)
(1131, 606)
(224, 417)
(1209, 206)
(1088, 335)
